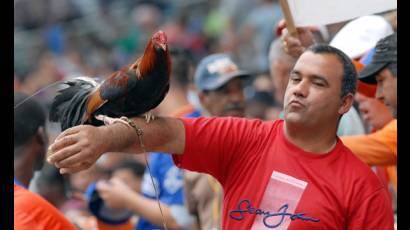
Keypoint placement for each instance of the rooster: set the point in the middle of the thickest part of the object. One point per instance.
(134, 90)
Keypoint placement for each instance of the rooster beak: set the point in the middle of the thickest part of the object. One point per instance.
(163, 46)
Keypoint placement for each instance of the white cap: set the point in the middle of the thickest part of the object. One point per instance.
(361, 34)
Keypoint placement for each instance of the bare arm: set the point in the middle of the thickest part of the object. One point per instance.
(160, 135)
(148, 208)
(117, 194)
(79, 147)
(296, 45)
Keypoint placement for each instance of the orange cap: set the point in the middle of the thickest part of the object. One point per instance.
(363, 88)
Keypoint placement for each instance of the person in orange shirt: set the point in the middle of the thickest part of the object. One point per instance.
(31, 211)
(380, 147)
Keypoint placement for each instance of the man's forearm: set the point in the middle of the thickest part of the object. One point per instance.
(159, 135)
(78, 148)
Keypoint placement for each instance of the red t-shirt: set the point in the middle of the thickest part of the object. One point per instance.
(32, 212)
(269, 183)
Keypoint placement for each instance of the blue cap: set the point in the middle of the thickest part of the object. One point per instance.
(215, 71)
(103, 213)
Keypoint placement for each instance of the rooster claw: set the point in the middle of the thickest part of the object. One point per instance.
(149, 117)
(109, 120)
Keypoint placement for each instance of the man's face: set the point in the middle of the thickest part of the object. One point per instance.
(312, 97)
(226, 101)
(279, 73)
(387, 89)
(128, 177)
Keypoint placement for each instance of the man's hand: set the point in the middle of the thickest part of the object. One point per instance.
(78, 148)
(296, 45)
(115, 193)
(373, 111)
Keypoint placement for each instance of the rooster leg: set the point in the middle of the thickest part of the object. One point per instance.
(149, 116)
(109, 120)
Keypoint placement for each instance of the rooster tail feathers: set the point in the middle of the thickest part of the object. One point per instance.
(69, 106)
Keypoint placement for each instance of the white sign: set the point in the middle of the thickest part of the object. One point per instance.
(323, 12)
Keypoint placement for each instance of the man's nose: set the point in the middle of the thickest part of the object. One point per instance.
(236, 97)
(379, 93)
(301, 89)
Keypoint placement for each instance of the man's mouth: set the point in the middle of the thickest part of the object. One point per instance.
(296, 103)
(235, 107)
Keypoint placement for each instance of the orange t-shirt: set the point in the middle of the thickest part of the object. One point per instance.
(33, 212)
(378, 148)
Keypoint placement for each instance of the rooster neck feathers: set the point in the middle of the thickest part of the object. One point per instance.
(151, 57)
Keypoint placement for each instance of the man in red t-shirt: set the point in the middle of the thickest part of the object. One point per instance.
(286, 174)
(31, 211)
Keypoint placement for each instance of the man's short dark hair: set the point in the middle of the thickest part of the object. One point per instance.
(51, 176)
(28, 117)
(136, 167)
(393, 68)
(349, 71)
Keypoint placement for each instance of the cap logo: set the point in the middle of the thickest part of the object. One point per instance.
(382, 48)
(221, 66)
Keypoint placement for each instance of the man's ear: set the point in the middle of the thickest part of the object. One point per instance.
(41, 136)
(202, 98)
(347, 102)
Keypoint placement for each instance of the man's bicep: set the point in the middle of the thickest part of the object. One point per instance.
(173, 133)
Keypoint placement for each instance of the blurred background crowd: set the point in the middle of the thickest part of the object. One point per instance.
(60, 39)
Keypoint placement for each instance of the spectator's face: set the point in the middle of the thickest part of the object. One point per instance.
(80, 181)
(312, 97)
(279, 73)
(227, 101)
(128, 177)
(387, 89)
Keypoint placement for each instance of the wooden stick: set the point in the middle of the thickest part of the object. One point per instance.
(290, 24)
